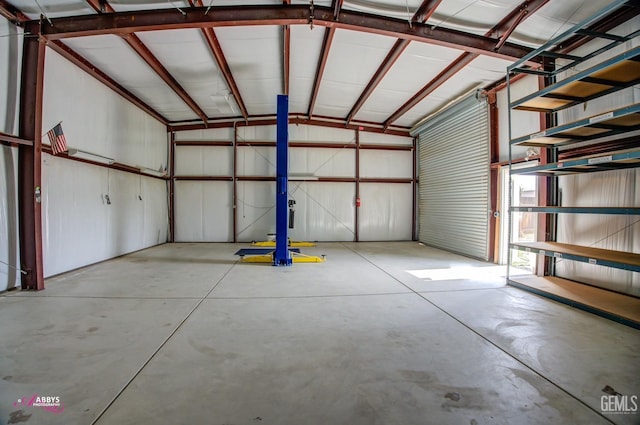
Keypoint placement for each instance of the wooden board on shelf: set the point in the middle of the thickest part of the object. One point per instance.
(612, 75)
(586, 251)
(574, 293)
(604, 124)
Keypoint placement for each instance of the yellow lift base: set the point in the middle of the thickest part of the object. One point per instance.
(293, 244)
(296, 257)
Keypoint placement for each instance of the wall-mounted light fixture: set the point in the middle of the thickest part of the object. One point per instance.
(302, 176)
(78, 153)
(151, 171)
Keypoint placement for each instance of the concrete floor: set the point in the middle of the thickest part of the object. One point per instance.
(184, 334)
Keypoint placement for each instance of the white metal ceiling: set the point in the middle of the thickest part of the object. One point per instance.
(255, 58)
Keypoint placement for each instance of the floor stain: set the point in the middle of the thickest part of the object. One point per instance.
(92, 329)
(609, 390)
(452, 396)
(17, 417)
(47, 327)
(7, 378)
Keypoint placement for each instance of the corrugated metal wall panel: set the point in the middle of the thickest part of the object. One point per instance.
(454, 179)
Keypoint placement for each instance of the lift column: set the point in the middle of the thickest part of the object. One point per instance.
(282, 256)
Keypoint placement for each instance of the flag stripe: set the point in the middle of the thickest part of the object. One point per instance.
(57, 140)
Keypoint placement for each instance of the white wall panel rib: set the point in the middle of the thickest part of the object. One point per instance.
(204, 160)
(454, 179)
(615, 232)
(386, 164)
(215, 134)
(256, 210)
(80, 227)
(10, 277)
(385, 212)
(10, 68)
(203, 211)
(256, 161)
(96, 119)
(324, 211)
(10, 71)
(322, 162)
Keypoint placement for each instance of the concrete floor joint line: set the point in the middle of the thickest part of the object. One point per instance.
(135, 375)
(482, 336)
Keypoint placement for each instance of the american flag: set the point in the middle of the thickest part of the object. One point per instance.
(57, 140)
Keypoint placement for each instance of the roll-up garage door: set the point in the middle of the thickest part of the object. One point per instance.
(454, 174)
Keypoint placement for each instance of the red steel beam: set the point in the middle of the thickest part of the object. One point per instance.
(103, 7)
(223, 65)
(30, 162)
(8, 138)
(202, 178)
(211, 143)
(155, 20)
(293, 119)
(324, 55)
(73, 57)
(396, 51)
(506, 24)
(423, 13)
(509, 23)
(12, 13)
(143, 51)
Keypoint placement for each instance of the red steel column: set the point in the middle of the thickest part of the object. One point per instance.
(494, 174)
(29, 162)
(172, 186)
(414, 184)
(357, 200)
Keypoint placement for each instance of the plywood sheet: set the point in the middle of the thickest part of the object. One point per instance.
(614, 303)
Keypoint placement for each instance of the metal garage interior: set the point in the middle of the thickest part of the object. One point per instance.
(432, 190)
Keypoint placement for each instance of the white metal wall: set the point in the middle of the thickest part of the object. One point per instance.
(79, 226)
(9, 242)
(324, 211)
(454, 179)
(10, 64)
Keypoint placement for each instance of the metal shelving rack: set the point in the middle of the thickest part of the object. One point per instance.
(606, 77)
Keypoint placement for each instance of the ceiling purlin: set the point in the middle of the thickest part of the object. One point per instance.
(423, 13)
(164, 19)
(102, 6)
(324, 55)
(505, 26)
(73, 57)
(12, 13)
(286, 54)
(223, 65)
